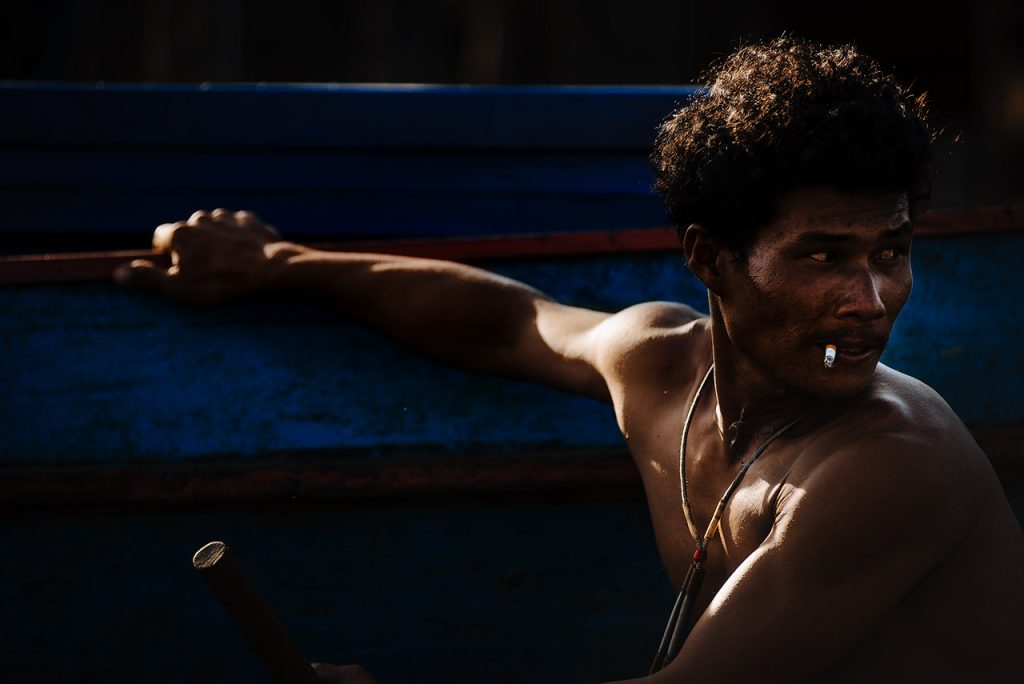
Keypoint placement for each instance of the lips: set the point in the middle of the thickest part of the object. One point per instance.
(854, 354)
(855, 349)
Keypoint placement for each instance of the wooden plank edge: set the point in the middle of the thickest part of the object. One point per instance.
(339, 476)
(317, 479)
(97, 266)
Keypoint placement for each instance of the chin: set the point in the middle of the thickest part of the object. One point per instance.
(837, 382)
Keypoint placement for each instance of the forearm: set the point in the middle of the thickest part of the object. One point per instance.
(453, 313)
(448, 311)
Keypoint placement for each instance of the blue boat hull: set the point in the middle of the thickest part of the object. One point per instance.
(433, 525)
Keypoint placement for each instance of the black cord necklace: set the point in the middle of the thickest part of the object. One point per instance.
(680, 621)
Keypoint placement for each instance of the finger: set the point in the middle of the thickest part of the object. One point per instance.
(250, 220)
(247, 218)
(141, 274)
(223, 217)
(164, 235)
(198, 218)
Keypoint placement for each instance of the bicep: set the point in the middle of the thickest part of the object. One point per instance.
(580, 350)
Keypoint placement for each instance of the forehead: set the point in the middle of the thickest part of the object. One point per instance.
(828, 210)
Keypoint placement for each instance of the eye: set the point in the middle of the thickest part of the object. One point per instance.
(824, 257)
(890, 254)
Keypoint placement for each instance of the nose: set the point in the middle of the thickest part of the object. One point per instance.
(860, 297)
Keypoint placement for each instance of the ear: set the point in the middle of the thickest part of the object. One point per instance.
(706, 256)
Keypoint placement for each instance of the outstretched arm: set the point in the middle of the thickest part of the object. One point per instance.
(456, 314)
(450, 312)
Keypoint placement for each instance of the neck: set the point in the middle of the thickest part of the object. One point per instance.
(750, 403)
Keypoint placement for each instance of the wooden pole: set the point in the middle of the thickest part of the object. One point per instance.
(252, 615)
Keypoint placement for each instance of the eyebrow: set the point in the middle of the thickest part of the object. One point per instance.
(818, 237)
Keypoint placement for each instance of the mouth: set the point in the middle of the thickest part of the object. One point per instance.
(853, 351)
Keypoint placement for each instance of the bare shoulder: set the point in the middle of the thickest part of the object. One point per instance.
(902, 415)
(650, 340)
(657, 315)
(899, 409)
(647, 350)
(898, 476)
(899, 447)
(658, 324)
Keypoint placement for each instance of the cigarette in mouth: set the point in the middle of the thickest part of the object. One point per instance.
(830, 355)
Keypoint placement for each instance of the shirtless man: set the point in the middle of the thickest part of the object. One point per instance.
(871, 540)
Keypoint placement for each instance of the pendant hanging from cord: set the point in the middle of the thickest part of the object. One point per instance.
(680, 621)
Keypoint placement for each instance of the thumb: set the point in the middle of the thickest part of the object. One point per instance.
(141, 274)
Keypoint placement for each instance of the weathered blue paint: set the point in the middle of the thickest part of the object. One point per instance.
(334, 161)
(961, 331)
(40, 216)
(102, 373)
(473, 591)
(95, 373)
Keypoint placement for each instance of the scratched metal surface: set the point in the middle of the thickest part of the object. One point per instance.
(92, 373)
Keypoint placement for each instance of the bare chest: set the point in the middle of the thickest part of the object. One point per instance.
(748, 517)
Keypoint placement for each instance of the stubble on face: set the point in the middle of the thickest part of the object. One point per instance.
(833, 266)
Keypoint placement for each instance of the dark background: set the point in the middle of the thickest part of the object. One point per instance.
(969, 56)
(97, 595)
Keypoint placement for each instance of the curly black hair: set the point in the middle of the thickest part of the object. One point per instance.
(775, 116)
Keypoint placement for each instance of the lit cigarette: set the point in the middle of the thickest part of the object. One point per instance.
(830, 355)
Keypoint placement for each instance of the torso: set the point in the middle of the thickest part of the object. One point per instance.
(970, 605)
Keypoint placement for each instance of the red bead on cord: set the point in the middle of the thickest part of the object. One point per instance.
(700, 555)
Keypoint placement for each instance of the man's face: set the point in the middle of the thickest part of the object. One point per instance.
(833, 267)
